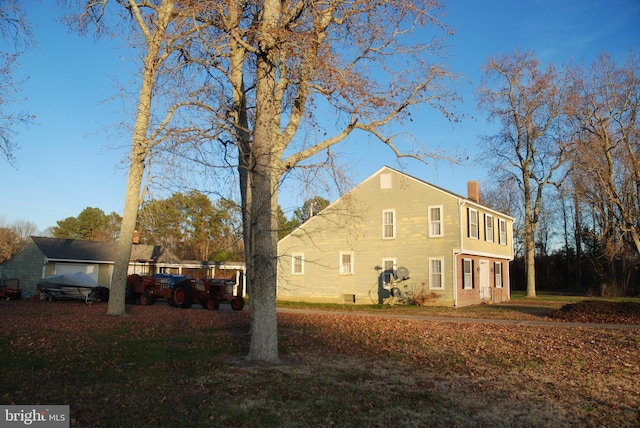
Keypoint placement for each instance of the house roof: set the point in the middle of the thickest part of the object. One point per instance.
(440, 189)
(75, 249)
(466, 199)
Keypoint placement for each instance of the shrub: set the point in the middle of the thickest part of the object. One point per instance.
(422, 297)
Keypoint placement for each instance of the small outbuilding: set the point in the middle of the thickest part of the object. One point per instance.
(41, 257)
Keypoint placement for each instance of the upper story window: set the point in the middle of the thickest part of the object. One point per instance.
(473, 223)
(297, 264)
(435, 221)
(467, 273)
(488, 227)
(502, 231)
(388, 224)
(346, 263)
(385, 181)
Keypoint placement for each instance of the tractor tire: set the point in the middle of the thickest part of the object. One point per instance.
(237, 303)
(212, 304)
(129, 295)
(182, 295)
(146, 299)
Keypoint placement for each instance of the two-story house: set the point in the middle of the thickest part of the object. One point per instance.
(394, 228)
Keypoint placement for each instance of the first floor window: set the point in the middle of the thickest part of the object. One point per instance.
(436, 276)
(346, 263)
(497, 271)
(388, 270)
(467, 273)
(297, 264)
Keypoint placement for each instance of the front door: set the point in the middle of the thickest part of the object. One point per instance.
(485, 283)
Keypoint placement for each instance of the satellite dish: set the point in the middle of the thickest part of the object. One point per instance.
(402, 273)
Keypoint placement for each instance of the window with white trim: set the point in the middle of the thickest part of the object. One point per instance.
(388, 270)
(388, 224)
(436, 274)
(297, 264)
(467, 274)
(435, 221)
(502, 231)
(385, 181)
(497, 272)
(488, 227)
(346, 263)
(473, 223)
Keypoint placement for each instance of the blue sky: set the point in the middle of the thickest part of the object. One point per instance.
(73, 159)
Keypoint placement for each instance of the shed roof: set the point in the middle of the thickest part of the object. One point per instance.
(76, 249)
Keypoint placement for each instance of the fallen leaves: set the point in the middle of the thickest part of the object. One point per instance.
(478, 373)
(600, 311)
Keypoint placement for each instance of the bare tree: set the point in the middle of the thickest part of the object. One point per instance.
(504, 196)
(273, 70)
(279, 69)
(13, 235)
(527, 102)
(606, 160)
(17, 36)
(159, 30)
(605, 114)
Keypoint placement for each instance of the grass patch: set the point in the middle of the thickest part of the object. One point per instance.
(519, 308)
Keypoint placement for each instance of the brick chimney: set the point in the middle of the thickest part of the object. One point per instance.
(473, 191)
(136, 237)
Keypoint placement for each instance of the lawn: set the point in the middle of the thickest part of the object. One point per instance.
(161, 366)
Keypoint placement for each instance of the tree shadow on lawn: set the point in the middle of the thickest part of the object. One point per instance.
(525, 311)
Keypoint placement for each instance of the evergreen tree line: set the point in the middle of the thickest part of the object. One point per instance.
(189, 225)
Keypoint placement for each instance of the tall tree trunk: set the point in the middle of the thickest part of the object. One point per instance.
(243, 136)
(263, 182)
(244, 165)
(140, 148)
(578, 238)
(530, 260)
(529, 240)
(262, 275)
(117, 293)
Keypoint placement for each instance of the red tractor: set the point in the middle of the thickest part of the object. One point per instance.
(182, 291)
(176, 289)
(220, 290)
